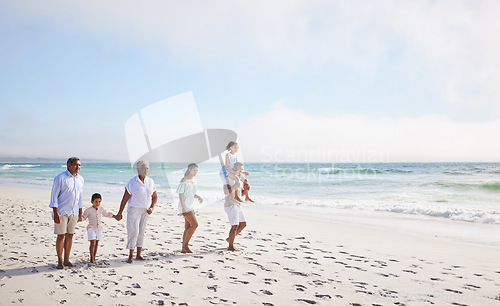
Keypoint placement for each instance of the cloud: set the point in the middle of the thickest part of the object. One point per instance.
(455, 42)
(287, 135)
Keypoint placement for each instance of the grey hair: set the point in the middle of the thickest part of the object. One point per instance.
(71, 160)
(140, 163)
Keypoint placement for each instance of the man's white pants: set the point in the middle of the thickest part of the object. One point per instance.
(137, 218)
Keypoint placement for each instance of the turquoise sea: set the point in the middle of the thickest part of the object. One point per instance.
(461, 192)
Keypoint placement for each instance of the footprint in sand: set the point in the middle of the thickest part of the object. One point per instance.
(266, 292)
(389, 293)
(93, 294)
(236, 280)
(300, 287)
(323, 296)
(161, 294)
(180, 283)
(454, 291)
(214, 288)
(311, 302)
(471, 287)
(209, 273)
(269, 281)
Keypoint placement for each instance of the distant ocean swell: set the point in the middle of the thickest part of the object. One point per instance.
(491, 186)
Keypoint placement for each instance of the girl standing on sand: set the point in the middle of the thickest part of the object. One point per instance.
(187, 193)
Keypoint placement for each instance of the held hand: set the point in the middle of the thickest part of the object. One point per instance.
(57, 218)
(80, 219)
(200, 200)
(150, 211)
(118, 217)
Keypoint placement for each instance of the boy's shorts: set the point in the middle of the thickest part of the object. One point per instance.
(235, 214)
(66, 226)
(94, 233)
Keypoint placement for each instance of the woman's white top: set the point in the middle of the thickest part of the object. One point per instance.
(140, 193)
(188, 190)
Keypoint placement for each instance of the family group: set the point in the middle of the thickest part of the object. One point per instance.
(140, 195)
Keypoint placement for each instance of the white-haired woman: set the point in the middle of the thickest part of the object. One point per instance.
(140, 193)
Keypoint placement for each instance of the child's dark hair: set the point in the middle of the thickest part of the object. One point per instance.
(190, 166)
(230, 144)
(96, 196)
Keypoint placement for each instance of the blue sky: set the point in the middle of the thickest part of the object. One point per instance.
(361, 81)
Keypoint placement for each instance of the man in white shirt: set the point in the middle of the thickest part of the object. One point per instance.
(66, 204)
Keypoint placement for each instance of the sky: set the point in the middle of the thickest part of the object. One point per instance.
(298, 81)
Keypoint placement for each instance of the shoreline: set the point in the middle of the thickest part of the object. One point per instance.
(423, 226)
(283, 259)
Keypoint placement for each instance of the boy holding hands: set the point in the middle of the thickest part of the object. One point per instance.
(94, 228)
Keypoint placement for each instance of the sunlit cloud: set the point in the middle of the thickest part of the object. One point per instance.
(287, 135)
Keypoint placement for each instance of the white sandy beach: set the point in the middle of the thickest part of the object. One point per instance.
(283, 260)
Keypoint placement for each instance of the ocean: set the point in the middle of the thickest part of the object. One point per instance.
(459, 192)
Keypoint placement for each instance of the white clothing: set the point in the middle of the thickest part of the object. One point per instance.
(66, 194)
(233, 158)
(94, 233)
(229, 198)
(95, 215)
(137, 218)
(140, 193)
(188, 190)
(235, 214)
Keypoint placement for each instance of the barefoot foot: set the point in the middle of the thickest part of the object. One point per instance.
(130, 259)
(139, 257)
(68, 264)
